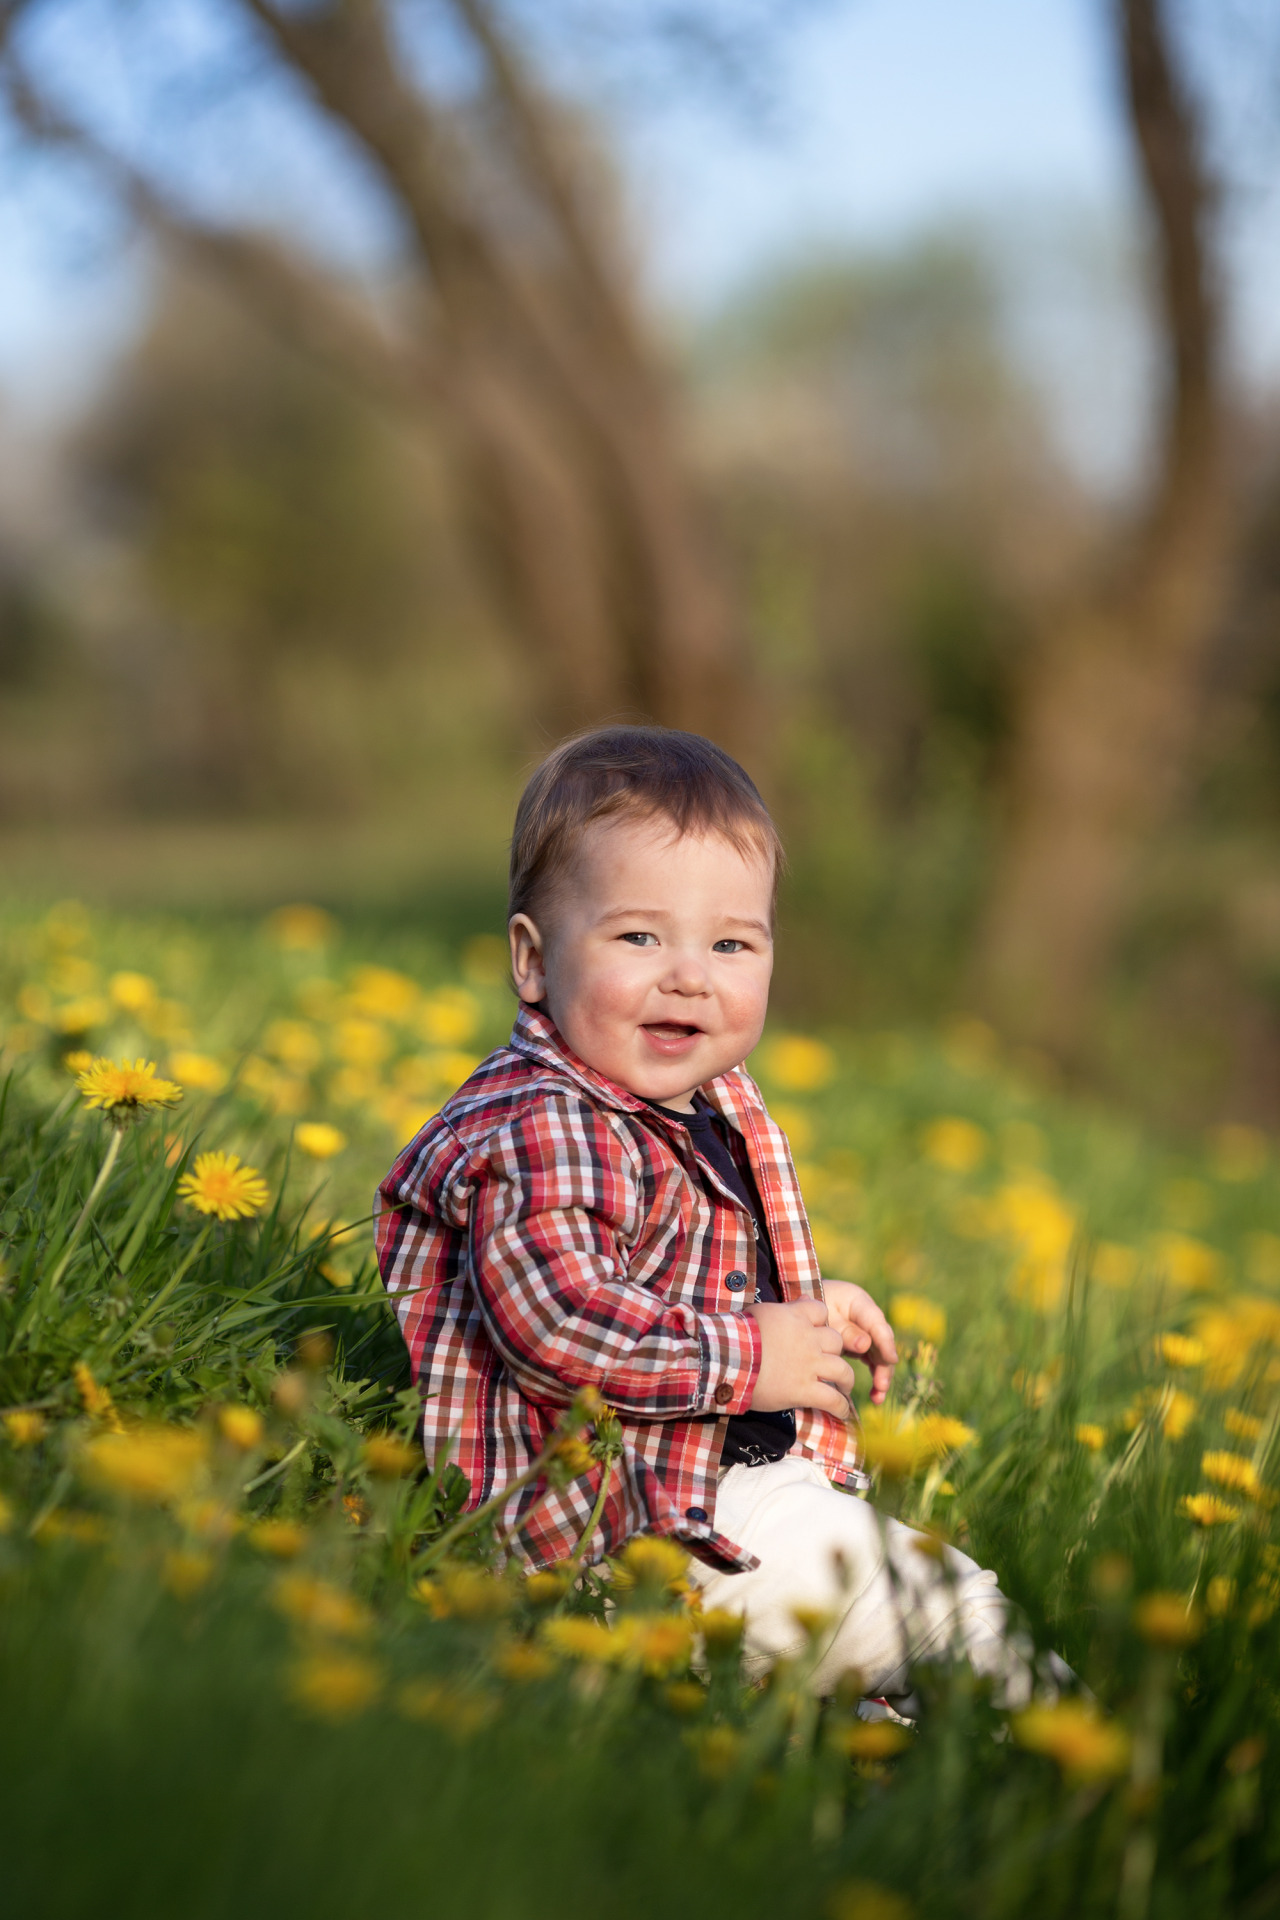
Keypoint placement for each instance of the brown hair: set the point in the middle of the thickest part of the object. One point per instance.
(640, 771)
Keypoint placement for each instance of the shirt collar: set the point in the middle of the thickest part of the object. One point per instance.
(536, 1037)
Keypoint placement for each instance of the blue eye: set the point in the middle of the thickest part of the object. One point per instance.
(728, 946)
(641, 939)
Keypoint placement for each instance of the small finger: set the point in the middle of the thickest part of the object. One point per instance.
(881, 1381)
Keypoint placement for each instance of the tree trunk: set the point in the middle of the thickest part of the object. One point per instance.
(1110, 708)
(529, 357)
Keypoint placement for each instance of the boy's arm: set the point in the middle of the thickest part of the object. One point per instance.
(551, 1209)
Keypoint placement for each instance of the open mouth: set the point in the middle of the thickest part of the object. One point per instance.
(671, 1033)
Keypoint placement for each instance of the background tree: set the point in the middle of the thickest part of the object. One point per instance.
(1112, 696)
(516, 334)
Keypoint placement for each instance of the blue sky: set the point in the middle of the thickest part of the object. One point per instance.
(894, 116)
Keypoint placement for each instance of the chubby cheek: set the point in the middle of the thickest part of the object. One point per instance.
(602, 1002)
(743, 1008)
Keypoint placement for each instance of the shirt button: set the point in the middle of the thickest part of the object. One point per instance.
(723, 1393)
(695, 1513)
(735, 1281)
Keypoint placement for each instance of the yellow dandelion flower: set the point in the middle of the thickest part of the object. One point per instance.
(198, 1070)
(295, 1043)
(658, 1643)
(1233, 1471)
(956, 1145)
(1220, 1596)
(1033, 1216)
(154, 1463)
(321, 1607)
(465, 1593)
(384, 994)
(521, 1661)
(685, 1697)
(1180, 1350)
(125, 1092)
(1091, 1436)
(95, 1398)
(579, 1639)
(913, 1313)
(242, 1426)
(871, 1739)
(388, 1457)
(546, 1587)
(79, 1017)
(1086, 1747)
(940, 1434)
(649, 1561)
(300, 929)
(1207, 1510)
(24, 1428)
(319, 1140)
(1186, 1262)
(1167, 1620)
(361, 1043)
(450, 1016)
(797, 1063)
(721, 1630)
(899, 1446)
(1243, 1425)
(1179, 1411)
(799, 1129)
(336, 1686)
(133, 992)
(281, 1538)
(220, 1185)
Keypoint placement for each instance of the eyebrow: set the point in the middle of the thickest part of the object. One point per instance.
(660, 913)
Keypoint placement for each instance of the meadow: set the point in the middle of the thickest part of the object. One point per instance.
(251, 1657)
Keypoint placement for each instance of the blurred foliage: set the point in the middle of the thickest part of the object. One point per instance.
(261, 604)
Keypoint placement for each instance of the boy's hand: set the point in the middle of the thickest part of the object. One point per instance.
(800, 1360)
(864, 1330)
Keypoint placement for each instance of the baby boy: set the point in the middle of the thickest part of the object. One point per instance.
(606, 1203)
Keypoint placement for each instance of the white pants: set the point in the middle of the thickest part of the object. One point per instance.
(891, 1606)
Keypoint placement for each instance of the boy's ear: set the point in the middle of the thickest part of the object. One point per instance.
(528, 968)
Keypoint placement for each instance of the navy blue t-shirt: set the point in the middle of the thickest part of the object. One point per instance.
(751, 1439)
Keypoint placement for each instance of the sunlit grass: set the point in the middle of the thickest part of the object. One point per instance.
(248, 1647)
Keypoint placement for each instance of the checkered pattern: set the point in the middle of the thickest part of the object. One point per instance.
(547, 1231)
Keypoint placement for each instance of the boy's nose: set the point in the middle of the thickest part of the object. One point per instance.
(687, 975)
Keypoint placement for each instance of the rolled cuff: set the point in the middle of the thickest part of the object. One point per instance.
(730, 1344)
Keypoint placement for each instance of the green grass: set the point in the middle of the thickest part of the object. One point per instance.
(198, 1720)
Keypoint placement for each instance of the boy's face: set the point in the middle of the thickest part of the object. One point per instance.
(654, 956)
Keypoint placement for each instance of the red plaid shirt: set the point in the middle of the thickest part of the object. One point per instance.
(548, 1230)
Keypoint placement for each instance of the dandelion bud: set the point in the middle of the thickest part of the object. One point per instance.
(241, 1426)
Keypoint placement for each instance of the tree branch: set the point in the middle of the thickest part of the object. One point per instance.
(310, 310)
(1168, 143)
(586, 250)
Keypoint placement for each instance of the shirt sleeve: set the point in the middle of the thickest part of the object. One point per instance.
(555, 1206)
